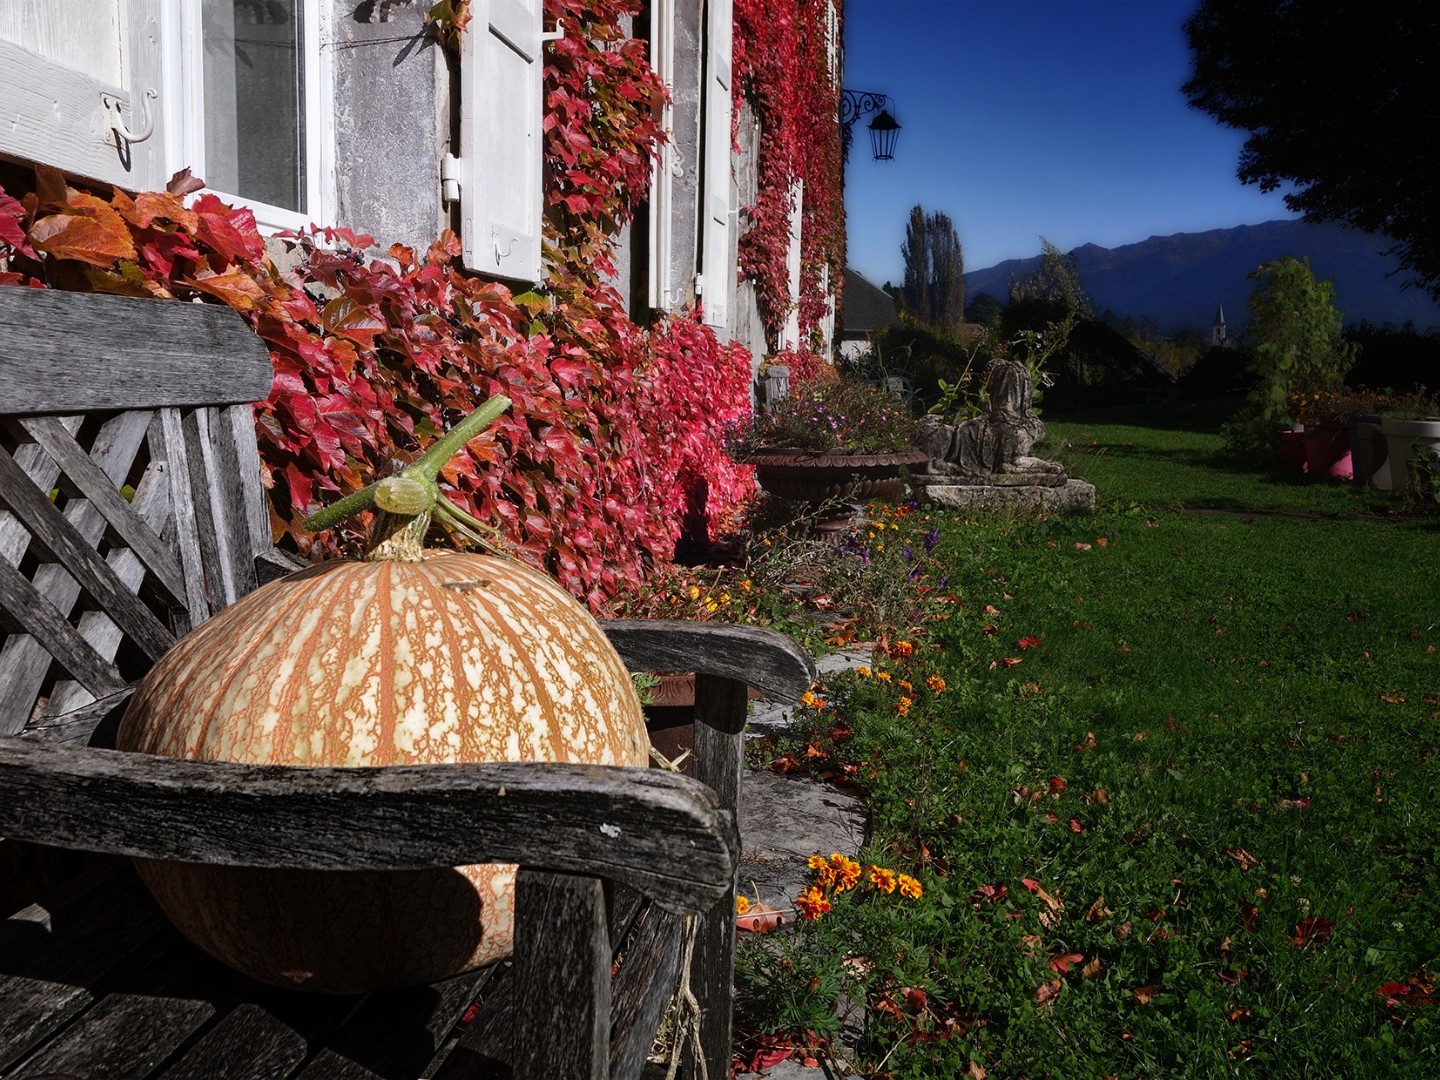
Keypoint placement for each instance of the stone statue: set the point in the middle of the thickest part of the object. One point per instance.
(994, 447)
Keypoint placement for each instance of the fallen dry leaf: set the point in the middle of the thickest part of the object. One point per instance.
(1090, 970)
(1243, 857)
(1143, 994)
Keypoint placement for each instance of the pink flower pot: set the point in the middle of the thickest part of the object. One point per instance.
(1327, 452)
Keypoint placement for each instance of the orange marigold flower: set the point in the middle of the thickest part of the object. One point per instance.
(742, 904)
(903, 706)
(812, 903)
(910, 887)
(808, 698)
(936, 684)
(846, 871)
(905, 685)
(883, 676)
(817, 862)
(903, 648)
(883, 879)
(863, 671)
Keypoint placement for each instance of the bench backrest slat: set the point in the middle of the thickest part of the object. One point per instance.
(80, 352)
(131, 506)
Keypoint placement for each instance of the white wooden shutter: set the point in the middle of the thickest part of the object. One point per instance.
(662, 198)
(718, 264)
(500, 151)
(70, 71)
(790, 333)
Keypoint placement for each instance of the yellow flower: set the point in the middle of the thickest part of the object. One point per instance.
(742, 904)
(936, 684)
(808, 698)
(882, 879)
(910, 887)
(894, 526)
(710, 605)
(863, 671)
(904, 684)
(883, 676)
(817, 862)
(903, 648)
(903, 706)
(694, 592)
(724, 598)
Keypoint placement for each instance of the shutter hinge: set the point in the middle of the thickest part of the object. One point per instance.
(449, 179)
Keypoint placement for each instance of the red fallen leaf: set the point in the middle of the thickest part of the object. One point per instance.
(1080, 545)
(183, 183)
(1088, 744)
(1051, 543)
(1356, 616)
(1029, 642)
(989, 628)
(786, 763)
(1312, 931)
(990, 892)
(1057, 785)
(1233, 978)
(1061, 962)
(1248, 914)
(991, 609)
(1048, 991)
(1075, 826)
(760, 919)
(1102, 541)
(915, 999)
(1143, 994)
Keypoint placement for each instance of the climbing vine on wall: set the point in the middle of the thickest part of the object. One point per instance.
(617, 427)
(783, 72)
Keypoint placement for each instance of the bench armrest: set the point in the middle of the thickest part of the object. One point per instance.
(769, 661)
(663, 834)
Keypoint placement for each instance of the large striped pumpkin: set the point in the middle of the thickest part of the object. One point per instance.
(455, 658)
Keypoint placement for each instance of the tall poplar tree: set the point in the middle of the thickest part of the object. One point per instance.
(934, 289)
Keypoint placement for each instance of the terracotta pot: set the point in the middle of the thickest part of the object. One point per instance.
(838, 477)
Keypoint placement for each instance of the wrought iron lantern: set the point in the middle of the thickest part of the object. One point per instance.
(884, 131)
(884, 128)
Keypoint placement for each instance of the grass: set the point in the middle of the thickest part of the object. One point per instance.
(1175, 808)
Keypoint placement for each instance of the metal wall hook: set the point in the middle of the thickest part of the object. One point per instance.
(556, 34)
(113, 106)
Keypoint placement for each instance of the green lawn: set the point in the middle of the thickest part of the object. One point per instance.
(1191, 832)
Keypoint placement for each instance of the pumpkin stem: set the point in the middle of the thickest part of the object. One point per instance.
(405, 503)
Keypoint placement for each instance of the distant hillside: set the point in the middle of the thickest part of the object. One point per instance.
(1179, 280)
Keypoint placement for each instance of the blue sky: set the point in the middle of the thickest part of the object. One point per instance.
(1029, 118)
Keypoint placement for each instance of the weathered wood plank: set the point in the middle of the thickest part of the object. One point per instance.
(24, 604)
(99, 487)
(249, 1043)
(25, 662)
(167, 443)
(152, 503)
(210, 525)
(643, 988)
(661, 833)
(562, 978)
(46, 982)
(77, 725)
(237, 492)
(394, 1032)
(79, 352)
(764, 659)
(720, 706)
(66, 546)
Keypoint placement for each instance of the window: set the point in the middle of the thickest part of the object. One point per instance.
(128, 92)
(250, 92)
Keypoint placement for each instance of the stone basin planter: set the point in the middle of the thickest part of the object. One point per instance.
(836, 478)
(1405, 441)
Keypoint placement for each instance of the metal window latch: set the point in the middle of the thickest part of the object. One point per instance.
(449, 178)
(113, 105)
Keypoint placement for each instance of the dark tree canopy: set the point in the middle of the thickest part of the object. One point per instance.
(934, 290)
(1335, 96)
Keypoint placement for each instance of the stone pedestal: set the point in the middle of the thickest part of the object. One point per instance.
(1069, 497)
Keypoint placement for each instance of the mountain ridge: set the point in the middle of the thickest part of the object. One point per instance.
(1180, 279)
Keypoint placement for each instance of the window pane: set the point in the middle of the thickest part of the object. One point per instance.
(254, 119)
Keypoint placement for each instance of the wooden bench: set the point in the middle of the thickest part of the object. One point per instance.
(130, 510)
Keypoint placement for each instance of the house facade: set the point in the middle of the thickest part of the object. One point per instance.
(352, 113)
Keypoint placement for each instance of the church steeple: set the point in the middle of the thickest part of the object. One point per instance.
(1218, 333)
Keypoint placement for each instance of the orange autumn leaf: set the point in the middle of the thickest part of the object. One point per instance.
(1143, 994)
(1090, 970)
(84, 239)
(1048, 991)
(1243, 857)
(234, 287)
(1060, 962)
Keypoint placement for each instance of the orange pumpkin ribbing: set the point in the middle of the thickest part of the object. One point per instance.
(459, 658)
